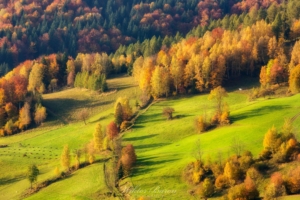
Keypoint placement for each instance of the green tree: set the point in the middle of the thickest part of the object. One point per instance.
(32, 174)
(277, 26)
(272, 12)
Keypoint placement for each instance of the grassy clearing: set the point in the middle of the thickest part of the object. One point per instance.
(164, 148)
(66, 104)
(43, 145)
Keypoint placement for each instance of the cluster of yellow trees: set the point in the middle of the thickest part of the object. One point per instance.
(205, 63)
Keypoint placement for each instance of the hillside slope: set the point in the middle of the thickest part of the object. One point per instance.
(164, 148)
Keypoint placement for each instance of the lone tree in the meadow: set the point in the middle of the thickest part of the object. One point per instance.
(221, 115)
(32, 174)
(66, 157)
(218, 95)
(83, 115)
(168, 113)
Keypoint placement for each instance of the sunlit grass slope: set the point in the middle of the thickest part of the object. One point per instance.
(164, 148)
(43, 145)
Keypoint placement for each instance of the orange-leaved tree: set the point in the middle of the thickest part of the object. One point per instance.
(128, 158)
(112, 130)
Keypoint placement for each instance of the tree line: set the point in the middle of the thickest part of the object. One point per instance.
(29, 29)
(21, 89)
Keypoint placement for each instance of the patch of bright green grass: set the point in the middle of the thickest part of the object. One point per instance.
(83, 184)
(164, 148)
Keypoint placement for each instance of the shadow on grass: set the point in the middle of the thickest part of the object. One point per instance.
(151, 118)
(139, 138)
(145, 146)
(146, 165)
(138, 126)
(5, 181)
(242, 82)
(67, 105)
(121, 87)
(100, 118)
(181, 116)
(258, 112)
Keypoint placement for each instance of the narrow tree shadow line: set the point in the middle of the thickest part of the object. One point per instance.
(257, 112)
(146, 146)
(148, 164)
(140, 137)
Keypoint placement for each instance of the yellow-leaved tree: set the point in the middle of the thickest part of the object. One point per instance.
(66, 158)
(98, 138)
(294, 79)
(271, 140)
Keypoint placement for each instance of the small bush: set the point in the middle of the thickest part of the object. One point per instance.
(168, 113)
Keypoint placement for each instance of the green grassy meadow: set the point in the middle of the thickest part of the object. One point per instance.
(43, 145)
(163, 147)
